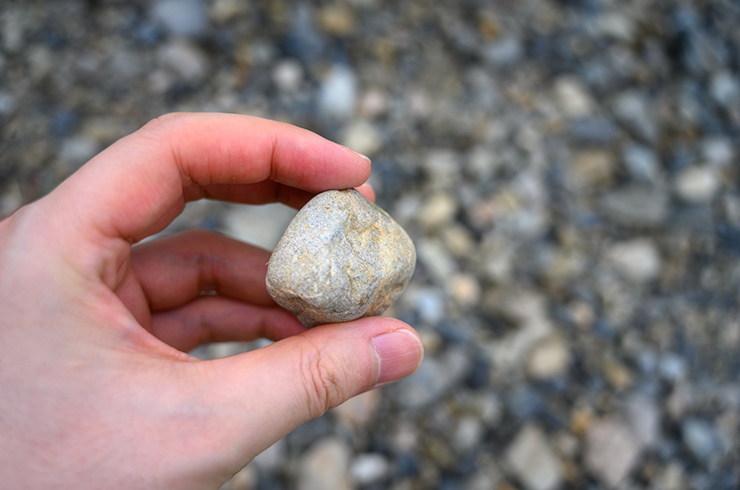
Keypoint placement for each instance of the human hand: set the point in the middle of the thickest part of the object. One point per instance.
(95, 388)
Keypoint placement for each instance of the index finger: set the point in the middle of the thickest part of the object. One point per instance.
(135, 187)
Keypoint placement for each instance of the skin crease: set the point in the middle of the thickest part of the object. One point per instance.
(97, 391)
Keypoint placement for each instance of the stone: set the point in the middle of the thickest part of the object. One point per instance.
(325, 465)
(636, 206)
(590, 168)
(572, 97)
(374, 103)
(725, 88)
(641, 163)
(432, 380)
(468, 434)
(548, 359)
(359, 410)
(438, 210)
(718, 151)
(185, 59)
(338, 93)
(182, 17)
(700, 438)
(697, 184)
(369, 468)
(465, 289)
(288, 75)
(638, 259)
(532, 460)
(611, 451)
(259, 225)
(633, 110)
(341, 258)
(643, 416)
(362, 136)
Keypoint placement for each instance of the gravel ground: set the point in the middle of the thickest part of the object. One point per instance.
(569, 173)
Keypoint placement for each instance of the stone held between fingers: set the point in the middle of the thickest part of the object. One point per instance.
(340, 259)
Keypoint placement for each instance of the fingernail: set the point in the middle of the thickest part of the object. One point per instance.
(364, 157)
(399, 354)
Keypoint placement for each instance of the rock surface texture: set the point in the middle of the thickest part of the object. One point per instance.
(341, 258)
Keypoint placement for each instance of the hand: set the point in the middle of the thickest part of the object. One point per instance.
(95, 388)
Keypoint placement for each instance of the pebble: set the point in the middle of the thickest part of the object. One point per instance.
(468, 434)
(532, 460)
(718, 151)
(573, 97)
(182, 17)
(435, 376)
(337, 19)
(633, 110)
(8, 104)
(369, 468)
(359, 410)
(725, 88)
(697, 184)
(589, 169)
(338, 93)
(638, 260)
(548, 359)
(430, 305)
(636, 206)
(642, 163)
(326, 465)
(611, 451)
(341, 258)
(438, 210)
(78, 150)
(362, 136)
(374, 103)
(185, 59)
(436, 260)
(465, 289)
(288, 75)
(700, 438)
(644, 417)
(261, 226)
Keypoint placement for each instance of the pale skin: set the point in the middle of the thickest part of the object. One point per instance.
(97, 390)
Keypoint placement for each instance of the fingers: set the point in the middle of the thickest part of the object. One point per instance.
(260, 193)
(216, 319)
(302, 376)
(134, 187)
(175, 270)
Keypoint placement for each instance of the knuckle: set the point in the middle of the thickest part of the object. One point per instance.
(161, 123)
(322, 379)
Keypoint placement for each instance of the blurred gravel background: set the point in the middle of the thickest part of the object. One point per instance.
(569, 173)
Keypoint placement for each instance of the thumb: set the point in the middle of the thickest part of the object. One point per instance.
(269, 392)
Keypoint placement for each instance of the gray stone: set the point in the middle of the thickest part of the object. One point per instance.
(182, 17)
(700, 438)
(611, 451)
(636, 206)
(338, 93)
(639, 259)
(341, 258)
(643, 416)
(532, 460)
(642, 163)
(633, 110)
(697, 184)
(369, 468)
(325, 465)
